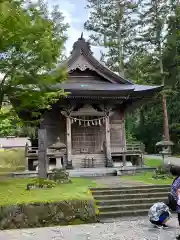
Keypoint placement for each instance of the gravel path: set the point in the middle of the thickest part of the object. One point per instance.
(120, 229)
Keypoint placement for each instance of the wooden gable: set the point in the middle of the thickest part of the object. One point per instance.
(87, 76)
(83, 66)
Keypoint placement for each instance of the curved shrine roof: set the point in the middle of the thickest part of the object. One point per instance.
(82, 59)
(105, 87)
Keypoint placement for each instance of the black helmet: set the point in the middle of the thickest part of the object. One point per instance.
(175, 171)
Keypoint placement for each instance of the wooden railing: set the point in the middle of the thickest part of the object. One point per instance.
(128, 148)
(31, 151)
(115, 148)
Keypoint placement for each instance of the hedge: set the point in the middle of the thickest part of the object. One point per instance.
(47, 214)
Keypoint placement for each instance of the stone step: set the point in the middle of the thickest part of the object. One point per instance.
(130, 196)
(82, 157)
(125, 213)
(129, 201)
(129, 191)
(130, 187)
(78, 160)
(113, 208)
(95, 156)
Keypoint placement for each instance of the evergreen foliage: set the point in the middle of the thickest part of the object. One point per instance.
(146, 50)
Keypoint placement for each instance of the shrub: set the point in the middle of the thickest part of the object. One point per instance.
(60, 176)
(41, 183)
(162, 172)
(47, 214)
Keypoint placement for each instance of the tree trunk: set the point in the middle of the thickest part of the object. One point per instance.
(166, 121)
(164, 105)
(119, 38)
(1, 99)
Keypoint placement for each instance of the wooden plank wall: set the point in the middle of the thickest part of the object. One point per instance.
(91, 137)
(55, 124)
(117, 128)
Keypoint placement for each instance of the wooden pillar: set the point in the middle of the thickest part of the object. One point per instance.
(124, 159)
(27, 160)
(139, 160)
(108, 143)
(122, 118)
(42, 153)
(27, 164)
(68, 143)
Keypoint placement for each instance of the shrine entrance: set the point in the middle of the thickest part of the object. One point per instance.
(87, 135)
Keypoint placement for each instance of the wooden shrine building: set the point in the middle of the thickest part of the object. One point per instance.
(90, 121)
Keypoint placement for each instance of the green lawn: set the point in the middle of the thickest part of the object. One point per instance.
(13, 191)
(12, 160)
(152, 162)
(147, 179)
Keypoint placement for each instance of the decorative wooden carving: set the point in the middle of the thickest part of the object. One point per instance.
(67, 109)
(82, 64)
(108, 109)
(87, 110)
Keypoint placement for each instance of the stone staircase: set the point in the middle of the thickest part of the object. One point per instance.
(99, 159)
(128, 201)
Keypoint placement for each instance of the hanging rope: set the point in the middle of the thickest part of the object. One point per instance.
(88, 122)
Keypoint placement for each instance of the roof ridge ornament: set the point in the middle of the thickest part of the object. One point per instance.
(81, 36)
(82, 46)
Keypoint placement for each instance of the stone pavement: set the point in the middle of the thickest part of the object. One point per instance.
(116, 181)
(119, 229)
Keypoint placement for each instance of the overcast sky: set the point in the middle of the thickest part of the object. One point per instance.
(75, 14)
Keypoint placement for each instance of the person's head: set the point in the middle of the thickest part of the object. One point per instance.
(175, 171)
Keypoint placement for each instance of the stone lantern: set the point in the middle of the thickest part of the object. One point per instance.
(166, 149)
(58, 150)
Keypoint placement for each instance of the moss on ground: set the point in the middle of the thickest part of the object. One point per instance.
(13, 191)
(147, 179)
(62, 205)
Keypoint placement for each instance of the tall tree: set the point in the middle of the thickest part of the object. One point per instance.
(153, 19)
(171, 61)
(154, 59)
(171, 56)
(148, 118)
(31, 42)
(144, 67)
(112, 24)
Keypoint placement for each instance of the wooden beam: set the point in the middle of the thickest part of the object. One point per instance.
(68, 143)
(124, 159)
(122, 118)
(139, 160)
(108, 143)
(42, 153)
